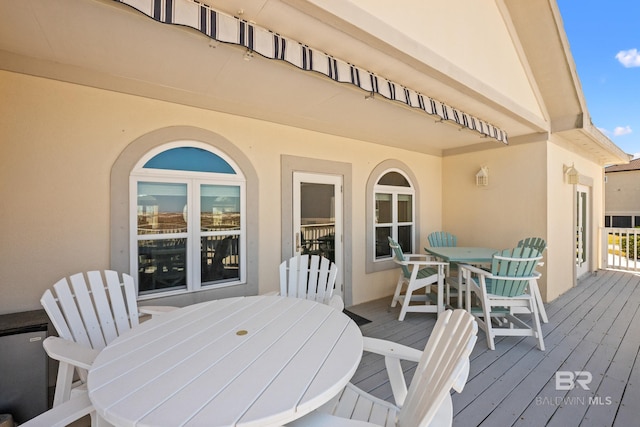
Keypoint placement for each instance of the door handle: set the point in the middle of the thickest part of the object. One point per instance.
(298, 247)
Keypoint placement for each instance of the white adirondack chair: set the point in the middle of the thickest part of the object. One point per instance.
(311, 278)
(88, 316)
(505, 291)
(443, 365)
(540, 245)
(417, 272)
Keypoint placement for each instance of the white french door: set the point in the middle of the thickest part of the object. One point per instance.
(318, 218)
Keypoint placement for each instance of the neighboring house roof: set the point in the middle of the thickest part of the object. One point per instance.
(631, 166)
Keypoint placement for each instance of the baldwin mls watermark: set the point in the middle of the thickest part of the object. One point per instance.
(569, 380)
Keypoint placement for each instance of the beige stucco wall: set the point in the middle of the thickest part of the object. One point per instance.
(527, 195)
(59, 142)
(562, 230)
(510, 208)
(485, 50)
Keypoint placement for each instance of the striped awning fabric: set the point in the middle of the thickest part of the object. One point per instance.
(229, 29)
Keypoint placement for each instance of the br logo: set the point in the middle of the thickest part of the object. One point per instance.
(567, 380)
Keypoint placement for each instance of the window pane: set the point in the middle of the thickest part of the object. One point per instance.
(162, 265)
(405, 213)
(395, 179)
(189, 159)
(220, 259)
(383, 208)
(162, 208)
(404, 238)
(382, 242)
(219, 207)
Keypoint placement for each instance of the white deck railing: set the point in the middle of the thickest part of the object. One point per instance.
(621, 247)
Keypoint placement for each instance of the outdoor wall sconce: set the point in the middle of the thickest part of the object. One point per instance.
(482, 177)
(573, 176)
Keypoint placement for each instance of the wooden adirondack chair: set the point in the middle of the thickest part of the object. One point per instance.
(88, 315)
(417, 272)
(504, 290)
(310, 277)
(539, 244)
(443, 365)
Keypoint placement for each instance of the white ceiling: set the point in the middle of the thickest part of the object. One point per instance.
(105, 44)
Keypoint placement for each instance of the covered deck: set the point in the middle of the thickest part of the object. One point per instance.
(594, 328)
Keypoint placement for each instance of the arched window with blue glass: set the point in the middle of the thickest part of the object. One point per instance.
(188, 219)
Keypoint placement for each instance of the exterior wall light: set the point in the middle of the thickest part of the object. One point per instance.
(572, 174)
(482, 177)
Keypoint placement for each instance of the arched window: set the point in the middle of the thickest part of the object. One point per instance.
(188, 220)
(394, 213)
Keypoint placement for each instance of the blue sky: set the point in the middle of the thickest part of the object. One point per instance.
(605, 44)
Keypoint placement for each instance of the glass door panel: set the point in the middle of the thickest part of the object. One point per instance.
(219, 233)
(317, 218)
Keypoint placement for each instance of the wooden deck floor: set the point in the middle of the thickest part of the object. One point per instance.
(594, 327)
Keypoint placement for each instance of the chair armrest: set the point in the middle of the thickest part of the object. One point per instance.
(63, 414)
(393, 353)
(70, 352)
(154, 310)
(391, 349)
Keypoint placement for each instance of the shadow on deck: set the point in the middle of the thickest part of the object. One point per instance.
(594, 327)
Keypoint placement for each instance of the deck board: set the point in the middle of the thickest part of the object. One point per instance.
(593, 327)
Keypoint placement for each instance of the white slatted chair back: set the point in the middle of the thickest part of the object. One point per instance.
(444, 365)
(307, 277)
(92, 310)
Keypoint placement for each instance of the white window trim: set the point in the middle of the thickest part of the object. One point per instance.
(193, 181)
(394, 191)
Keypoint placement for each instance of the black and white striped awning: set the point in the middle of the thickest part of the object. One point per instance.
(229, 29)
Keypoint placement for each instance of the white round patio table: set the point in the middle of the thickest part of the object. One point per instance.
(247, 361)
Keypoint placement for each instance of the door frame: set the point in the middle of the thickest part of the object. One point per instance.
(291, 164)
(586, 189)
(323, 179)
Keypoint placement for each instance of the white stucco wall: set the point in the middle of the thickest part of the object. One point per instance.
(59, 142)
